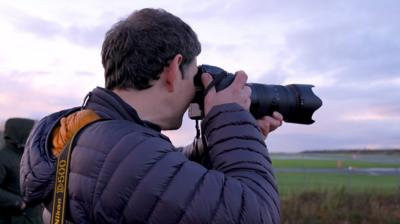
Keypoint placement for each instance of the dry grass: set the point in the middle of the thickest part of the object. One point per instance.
(341, 207)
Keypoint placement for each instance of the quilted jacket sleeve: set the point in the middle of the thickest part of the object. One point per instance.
(248, 192)
(238, 187)
(37, 167)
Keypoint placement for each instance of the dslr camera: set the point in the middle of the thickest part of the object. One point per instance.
(296, 102)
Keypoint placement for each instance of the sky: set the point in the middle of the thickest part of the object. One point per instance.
(349, 50)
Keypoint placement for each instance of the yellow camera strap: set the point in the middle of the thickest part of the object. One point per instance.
(60, 194)
(61, 184)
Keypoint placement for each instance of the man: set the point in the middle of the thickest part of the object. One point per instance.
(123, 170)
(12, 207)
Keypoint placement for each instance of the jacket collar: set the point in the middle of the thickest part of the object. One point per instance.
(109, 105)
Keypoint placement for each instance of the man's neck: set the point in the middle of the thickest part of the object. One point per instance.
(153, 112)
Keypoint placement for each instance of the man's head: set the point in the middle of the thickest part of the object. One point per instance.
(150, 61)
(136, 49)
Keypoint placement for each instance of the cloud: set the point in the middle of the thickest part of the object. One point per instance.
(85, 73)
(348, 49)
(358, 41)
(86, 36)
(19, 98)
(45, 28)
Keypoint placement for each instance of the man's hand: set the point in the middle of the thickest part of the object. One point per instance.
(268, 124)
(236, 92)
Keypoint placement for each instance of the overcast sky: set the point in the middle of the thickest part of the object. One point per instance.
(350, 50)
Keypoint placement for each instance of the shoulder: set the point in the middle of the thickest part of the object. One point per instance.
(111, 157)
(110, 132)
(109, 143)
(37, 163)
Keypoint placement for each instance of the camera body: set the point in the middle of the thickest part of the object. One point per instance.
(296, 102)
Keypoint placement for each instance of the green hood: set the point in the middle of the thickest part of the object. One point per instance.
(16, 132)
(1, 139)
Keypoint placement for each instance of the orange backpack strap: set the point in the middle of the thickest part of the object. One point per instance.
(68, 126)
(60, 194)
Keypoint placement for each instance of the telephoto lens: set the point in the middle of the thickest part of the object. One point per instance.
(296, 102)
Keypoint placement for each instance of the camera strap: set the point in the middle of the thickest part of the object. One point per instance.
(196, 141)
(199, 144)
(60, 192)
(61, 183)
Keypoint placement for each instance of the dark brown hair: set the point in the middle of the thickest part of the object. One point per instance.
(136, 49)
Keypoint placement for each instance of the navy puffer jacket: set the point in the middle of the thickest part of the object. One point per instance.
(124, 170)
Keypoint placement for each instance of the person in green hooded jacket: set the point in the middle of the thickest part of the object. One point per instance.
(12, 207)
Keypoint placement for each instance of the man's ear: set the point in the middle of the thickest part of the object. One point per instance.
(172, 72)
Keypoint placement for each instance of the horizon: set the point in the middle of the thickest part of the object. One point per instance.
(50, 59)
(377, 150)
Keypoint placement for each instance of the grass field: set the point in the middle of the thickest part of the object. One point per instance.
(292, 182)
(342, 196)
(340, 207)
(314, 163)
(297, 182)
